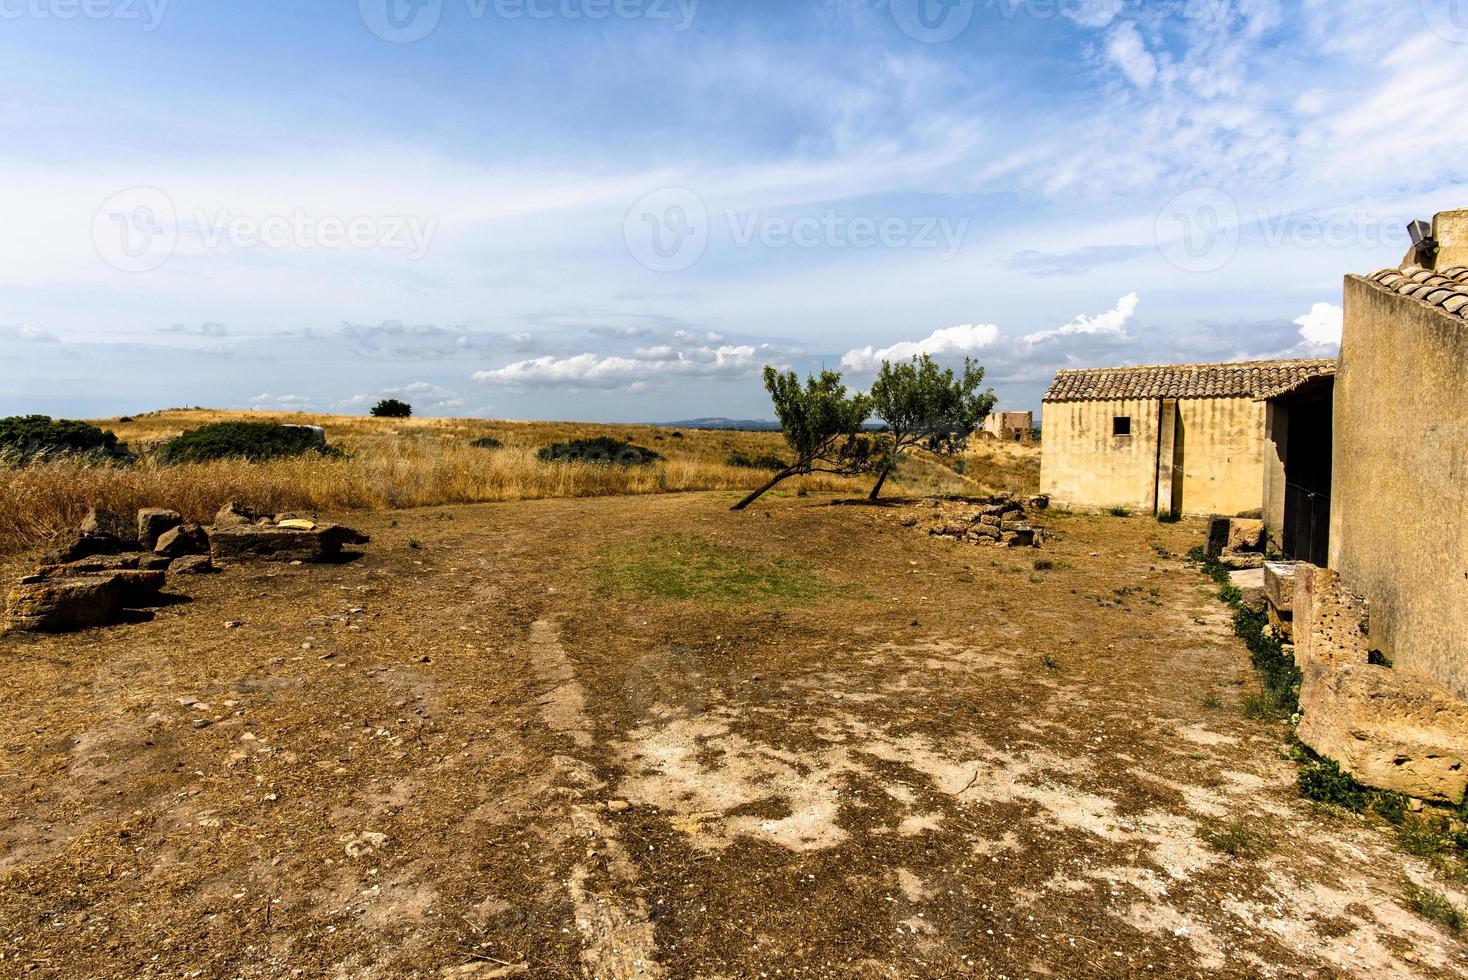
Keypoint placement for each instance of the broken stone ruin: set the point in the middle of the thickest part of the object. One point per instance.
(1000, 521)
(110, 564)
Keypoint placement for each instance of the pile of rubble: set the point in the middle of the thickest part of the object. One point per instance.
(999, 521)
(111, 563)
(1237, 542)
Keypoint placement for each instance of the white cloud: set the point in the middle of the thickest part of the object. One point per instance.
(36, 335)
(1128, 51)
(949, 342)
(647, 365)
(1322, 325)
(418, 393)
(290, 403)
(1093, 13)
(1112, 323)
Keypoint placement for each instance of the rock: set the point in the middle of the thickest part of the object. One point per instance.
(909, 521)
(618, 806)
(1279, 585)
(96, 563)
(233, 515)
(152, 522)
(1390, 729)
(108, 524)
(154, 561)
(1250, 581)
(255, 543)
(186, 539)
(1024, 537)
(1245, 534)
(191, 565)
(295, 524)
(72, 546)
(1240, 559)
(64, 604)
(1217, 536)
(1331, 623)
(1039, 502)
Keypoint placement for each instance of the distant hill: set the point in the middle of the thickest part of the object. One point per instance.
(743, 425)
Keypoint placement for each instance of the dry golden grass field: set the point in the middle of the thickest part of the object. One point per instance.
(396, 463)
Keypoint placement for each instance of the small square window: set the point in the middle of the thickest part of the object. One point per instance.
(1121, 425)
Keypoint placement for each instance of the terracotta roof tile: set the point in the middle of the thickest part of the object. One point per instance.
(1446, 289)
(1244, 379)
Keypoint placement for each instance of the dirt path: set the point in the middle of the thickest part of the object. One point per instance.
(849, 750)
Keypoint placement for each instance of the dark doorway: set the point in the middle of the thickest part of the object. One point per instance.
(1307, 479)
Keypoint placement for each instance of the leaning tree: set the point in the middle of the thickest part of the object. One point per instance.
(923, 405)
(822, 423)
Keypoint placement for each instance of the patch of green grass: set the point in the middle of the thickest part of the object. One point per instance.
(1434, 906)
(1239, 837)
(1259, 707)
(1043, 564)
(687, 567)
(1212, 702)
(1119, 511)
(1049, 662)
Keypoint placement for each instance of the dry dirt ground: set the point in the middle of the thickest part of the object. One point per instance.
(849, 749)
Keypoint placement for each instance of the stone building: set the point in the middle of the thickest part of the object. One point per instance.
(1168, 439)
(1010, 426)
(1381, 607)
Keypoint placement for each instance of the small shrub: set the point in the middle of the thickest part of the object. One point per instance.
(1119, 511)
(392, 408)
(1239, 837)
(1169, 518)
(1323, 781)
(1434, 906)
(1259, 707)
(252, 441)
(1049, 662)
(488, 442)
(28, 438)
(1044, 564)
(602, 449)
(768, 461)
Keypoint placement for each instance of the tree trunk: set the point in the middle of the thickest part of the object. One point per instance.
(782, 475)
(886, 472)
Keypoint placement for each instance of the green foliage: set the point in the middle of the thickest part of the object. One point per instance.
(924, 405)
(26, 438)
(821, 422)
(1323, 781)
(1239, 837)
(768, 461)
(1277, 670)
(392, 408)
(253, 441)
(1261, 707)
(1119, 511)
(603, 449)
(488, 442)
(1434, 906)
(685, 567)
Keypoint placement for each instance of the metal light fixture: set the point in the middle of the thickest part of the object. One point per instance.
(1422, 242)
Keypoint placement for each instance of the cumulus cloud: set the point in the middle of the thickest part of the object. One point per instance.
(949, 342)
(36, 335)
(1127, 51)
(645, 366)
(419, 394)
(1322, 325)
(1112, 323)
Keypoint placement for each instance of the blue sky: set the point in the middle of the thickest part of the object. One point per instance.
(622, 209)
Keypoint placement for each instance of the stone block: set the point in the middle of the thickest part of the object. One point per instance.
(1279, 586)
(1241, 559)
(1250, 581)
(1217, 536)
(191, 565)
(1330, 622)
(1390, 729)
(256, 543)
(1245, 534)
(233, 515)
(138, 587)
(186, 539)
(152, 522)
(100, 522)
(64, 604)
(75, 545)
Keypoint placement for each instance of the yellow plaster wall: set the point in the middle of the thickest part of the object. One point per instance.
(1399, 482)
(1223, 455)
(1082, 465)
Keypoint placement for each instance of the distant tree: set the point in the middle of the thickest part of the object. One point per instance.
(391, 408)
(821, 422)
(923, 405)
